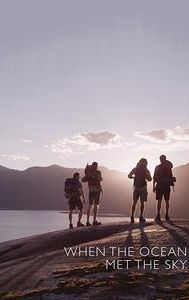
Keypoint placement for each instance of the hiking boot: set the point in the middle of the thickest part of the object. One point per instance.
(167, 218)
(71, 226)
(79, 224)
(88, 224)
(132, 220)
(142, 220)
(158, 219)
(95, 223)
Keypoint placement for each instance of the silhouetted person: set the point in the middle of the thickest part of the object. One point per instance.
(94, 177)
(74, 192)
(141, 175)
(162, 181)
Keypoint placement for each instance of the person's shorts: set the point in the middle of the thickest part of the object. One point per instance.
(163, 191)
(94, 197)
(141, 194)
(75, 202)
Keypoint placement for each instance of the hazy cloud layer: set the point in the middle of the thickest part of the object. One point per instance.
(14, 157)
(177, 134)
(86, 142)
(164, 140)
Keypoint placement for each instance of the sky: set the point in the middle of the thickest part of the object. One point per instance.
(85, 80)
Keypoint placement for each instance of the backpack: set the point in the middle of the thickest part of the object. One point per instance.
(87, 172)
(93, 179)
(165, 174)
(72, 187)
(140, 178)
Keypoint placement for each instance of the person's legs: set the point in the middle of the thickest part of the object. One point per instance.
(72, 206)
(70, 218)
(167, 197)
(135, 200)
(79, 224)
(159, 197)
(96, 203)
(80, 215)
(95, 212)
(141, 208)
(80, 207)
(159, 206)
(89, 212)
(89, 208)
(158, 216)
(133, 208)
(143, 199)
(167, 218)
(167, 207)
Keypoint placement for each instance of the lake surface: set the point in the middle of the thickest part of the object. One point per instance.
(16, 224)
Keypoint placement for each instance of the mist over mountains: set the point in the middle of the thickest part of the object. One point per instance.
(41, 188)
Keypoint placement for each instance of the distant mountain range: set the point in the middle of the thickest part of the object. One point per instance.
(43, 188)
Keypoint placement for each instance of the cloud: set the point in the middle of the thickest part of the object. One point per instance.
(153, 136)
(82, 142)
(14, 157)
(102, 138)
(161, 136)
(179, 133)
(164, 140)
(26, 141)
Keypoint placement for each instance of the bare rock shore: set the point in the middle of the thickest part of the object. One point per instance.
(38, 268)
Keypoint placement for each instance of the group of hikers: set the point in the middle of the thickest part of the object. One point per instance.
(163, 179)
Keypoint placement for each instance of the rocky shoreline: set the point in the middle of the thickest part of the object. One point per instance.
(38, 267)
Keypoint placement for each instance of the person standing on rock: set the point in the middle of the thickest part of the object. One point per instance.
(162, 181)
(141, 175)
(94, 177)
(73, 192)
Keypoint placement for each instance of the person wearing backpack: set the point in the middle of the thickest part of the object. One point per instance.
(162, 181)
(74, 192)
(141, 175)
(94, 177)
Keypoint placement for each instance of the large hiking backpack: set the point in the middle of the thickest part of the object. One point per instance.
(95, 178)
(72, 187)
(165, 174)
(140, 178)
(87, 173)
(87, 170)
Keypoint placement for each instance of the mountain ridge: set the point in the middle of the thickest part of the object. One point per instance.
(43, 188)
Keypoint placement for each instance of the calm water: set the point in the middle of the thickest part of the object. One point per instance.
(16, 224)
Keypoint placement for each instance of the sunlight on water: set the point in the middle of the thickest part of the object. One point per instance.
(16, 224)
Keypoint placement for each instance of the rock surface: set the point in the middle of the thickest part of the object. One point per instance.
(37, 267)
